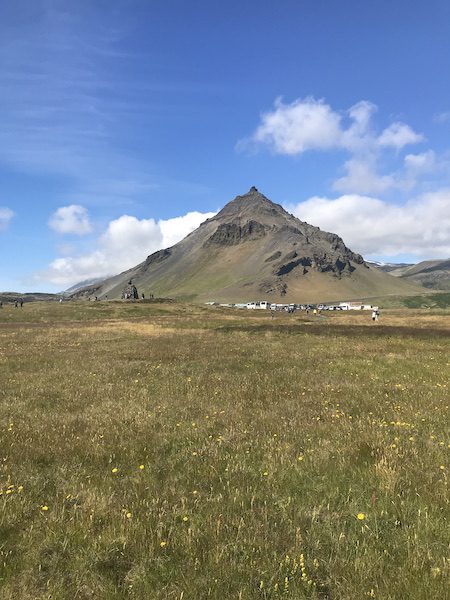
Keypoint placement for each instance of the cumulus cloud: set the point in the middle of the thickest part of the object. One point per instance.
(71, 219)
(362, 178)
(6, 214)
(309, 124)
(126, 242)
(420, 163)
(174, 230)
(399, 135)
(128, 239)
(358, 136)
(371, 226)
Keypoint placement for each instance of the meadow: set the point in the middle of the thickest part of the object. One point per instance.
(154, 451)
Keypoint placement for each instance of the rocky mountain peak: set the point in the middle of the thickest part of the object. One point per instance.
(290, 244)
(252, 206)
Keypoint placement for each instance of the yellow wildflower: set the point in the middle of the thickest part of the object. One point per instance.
(360, 516)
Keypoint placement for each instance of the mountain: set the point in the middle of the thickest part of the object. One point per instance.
(432, 274)
(81, 286)
(392, 268)
(254, 249)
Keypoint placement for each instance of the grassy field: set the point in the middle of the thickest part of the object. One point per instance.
(167, 451)
(429, 300)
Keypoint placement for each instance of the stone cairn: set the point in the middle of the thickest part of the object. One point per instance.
(130, 292)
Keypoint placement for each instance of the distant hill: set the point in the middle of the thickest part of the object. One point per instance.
(432, 274)
(254, 249)
(6, 297)
(81, 285)
(390, 267)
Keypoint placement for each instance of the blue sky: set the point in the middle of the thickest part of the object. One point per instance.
(126, 123)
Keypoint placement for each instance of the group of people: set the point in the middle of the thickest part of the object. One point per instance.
(17, 302)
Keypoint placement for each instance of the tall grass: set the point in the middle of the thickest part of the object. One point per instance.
(174, 452)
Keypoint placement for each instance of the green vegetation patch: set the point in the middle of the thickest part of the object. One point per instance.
(441, 300)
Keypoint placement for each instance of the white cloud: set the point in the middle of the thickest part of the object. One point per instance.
(368, 225)
(174, 230)
(71, 219)
(398, 135)
(358, 137)
(307, 124)
(126, 242)
(420, 163)
(362, 178)
(6, 214)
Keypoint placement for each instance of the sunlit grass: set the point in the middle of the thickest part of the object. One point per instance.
(174, 452)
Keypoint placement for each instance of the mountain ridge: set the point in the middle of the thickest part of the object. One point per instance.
(432, 274)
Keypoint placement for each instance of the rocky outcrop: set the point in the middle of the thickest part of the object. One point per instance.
(338, 264)
(229, 234)
(274, 287)
(289, 266)
(156, 257)
(273, 256)
(130, 292)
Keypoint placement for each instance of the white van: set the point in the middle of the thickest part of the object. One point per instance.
(258, 305)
